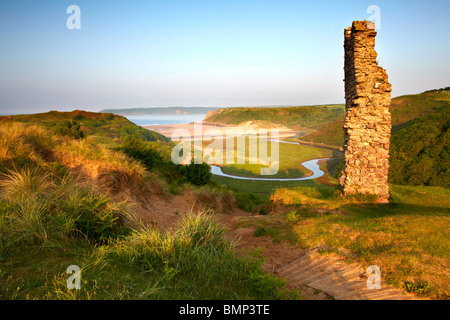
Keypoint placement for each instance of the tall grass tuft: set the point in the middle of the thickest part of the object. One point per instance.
(194, 261)
(22, 145)
(39, 210)
(200, 229)
(25, 182)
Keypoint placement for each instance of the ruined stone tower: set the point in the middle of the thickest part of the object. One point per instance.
(367, 125)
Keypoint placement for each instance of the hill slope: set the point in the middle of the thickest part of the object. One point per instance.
(311, 117)
(107, 127)
(65, 201)
(420, 152)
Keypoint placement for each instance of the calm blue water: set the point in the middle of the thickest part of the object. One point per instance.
(162, 119)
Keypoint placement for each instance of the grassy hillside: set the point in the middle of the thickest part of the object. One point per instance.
(408, 239)
(420, 151)
(311, 117)
(403, 110)
(62, 204)
(407, 108)
(106, 127)
(330, 134)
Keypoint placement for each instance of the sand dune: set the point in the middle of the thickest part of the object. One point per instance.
(208, 129)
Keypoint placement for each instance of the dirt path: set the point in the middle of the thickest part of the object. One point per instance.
(316, 276)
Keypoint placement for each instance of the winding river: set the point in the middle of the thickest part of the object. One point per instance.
(312, 165)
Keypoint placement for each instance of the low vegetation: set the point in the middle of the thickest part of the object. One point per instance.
(49, 220)
(420, 152)
(331, 134)
(410, 107)
(408, 239)
(153, 159)
(58, 182)
(107, 128)
(290, 157)
(311, 117)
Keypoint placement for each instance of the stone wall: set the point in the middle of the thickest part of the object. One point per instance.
(367, 125)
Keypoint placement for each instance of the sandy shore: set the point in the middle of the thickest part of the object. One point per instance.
(208, 129)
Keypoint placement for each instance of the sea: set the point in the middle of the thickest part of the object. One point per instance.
(165, 119)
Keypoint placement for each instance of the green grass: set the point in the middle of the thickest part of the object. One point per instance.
(420, 153)
(271, 226)
(192, 262)
(105, 127)
(290, 158)
(262, 189)
(408, 239)
(49, 220)
(39, 209)
(310, 117)
(265, 189)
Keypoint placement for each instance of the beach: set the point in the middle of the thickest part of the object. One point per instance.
(212, 130)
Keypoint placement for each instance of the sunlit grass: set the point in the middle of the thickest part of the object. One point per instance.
(290, 158)
(53, 215)
(192, 261)
(408, 239)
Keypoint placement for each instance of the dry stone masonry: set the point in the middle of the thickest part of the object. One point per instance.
(367, 126)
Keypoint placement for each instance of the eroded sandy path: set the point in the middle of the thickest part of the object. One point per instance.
(316, 276)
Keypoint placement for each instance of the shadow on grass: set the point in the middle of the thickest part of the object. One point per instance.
(282, 173)
(395, 208)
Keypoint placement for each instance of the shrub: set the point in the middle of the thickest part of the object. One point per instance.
(70, 128)
(140, 151)
(197, 174)
(97, 220)
(417, 287)
(247, 201)
(261, 231)
(151, 158)
(339, 169)
(292, 218)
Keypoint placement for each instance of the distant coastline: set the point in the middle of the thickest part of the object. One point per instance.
(165, 119)
(177, 110)
(160, 111)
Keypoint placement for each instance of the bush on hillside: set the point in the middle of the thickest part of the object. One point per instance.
(70, 128)
(247, 201)
(137, 149)
(197, 174)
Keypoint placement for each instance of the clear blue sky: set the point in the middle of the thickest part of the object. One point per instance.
(207, 53)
